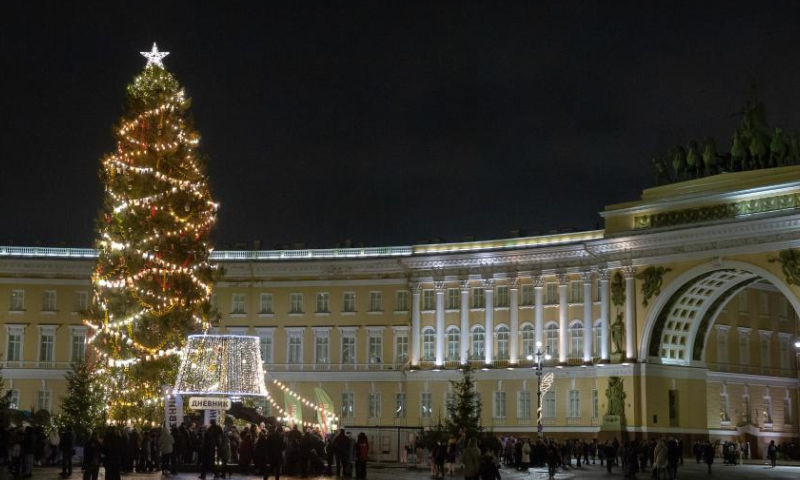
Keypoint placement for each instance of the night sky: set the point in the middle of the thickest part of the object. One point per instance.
(386, 123)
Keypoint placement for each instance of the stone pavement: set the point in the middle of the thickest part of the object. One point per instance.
(690, 471)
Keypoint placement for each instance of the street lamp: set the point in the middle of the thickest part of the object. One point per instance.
(539, 355)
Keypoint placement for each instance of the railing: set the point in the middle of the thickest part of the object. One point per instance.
(322, 253)
(499, 422)
(36, 365)
(324, 367)
(751, 370)
(574, 421)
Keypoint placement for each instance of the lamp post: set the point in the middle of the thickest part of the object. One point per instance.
(538, 356)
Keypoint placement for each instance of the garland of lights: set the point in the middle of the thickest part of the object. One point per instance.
(152, 282)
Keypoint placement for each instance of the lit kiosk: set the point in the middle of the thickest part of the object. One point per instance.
(215, 371)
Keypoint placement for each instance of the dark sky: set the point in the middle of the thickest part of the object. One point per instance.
(385, 122)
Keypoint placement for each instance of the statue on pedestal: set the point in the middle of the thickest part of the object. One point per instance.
(615, 395)
(618, 333)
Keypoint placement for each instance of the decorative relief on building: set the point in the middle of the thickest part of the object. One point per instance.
(615, 396)
(790, 265)
(710, 213)
(652, 279)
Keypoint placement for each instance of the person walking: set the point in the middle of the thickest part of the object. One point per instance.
(112, 452)
(488, 469)
(275, 446)
(525, 459)
(471, 458)
(660, 458)
(92, 452)
(211, 441)
(341, 445)
(67, 447)
(166, 444)
(708, 455)
(362, 452)
(772, 453)
(224, 454)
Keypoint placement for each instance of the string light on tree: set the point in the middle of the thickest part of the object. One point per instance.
(152, 281)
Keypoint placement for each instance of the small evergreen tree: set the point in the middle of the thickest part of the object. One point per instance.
(464, 412)
(5, 402)
(84, 405)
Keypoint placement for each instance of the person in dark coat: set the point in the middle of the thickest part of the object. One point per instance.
(112, 451)
(67, 447)
(211, 441)
(362, 453)
(341, 447)
(28, 452)
(275, 445)
(92, 453)
(488, 469)
(708, 455)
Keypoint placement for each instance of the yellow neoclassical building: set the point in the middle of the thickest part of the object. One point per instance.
(688, 300)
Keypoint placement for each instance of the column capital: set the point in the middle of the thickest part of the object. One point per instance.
(629, 271)
(464, 284)
(562, 278)
(604, 274)
(538, 280)
(415, 286)
(488, 283)
(587, 276)
(513, 283)
(439, 285)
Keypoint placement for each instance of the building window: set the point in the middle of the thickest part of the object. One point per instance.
(13, 399)
(265, 304)
(322, 350)
(743, 307)
(401, 348)
(595, 405)
(375, 347)
(78, 353)
(722, 346)
(349, 302)
(551, 294)
(453, 343)
(237, 303)
(784, 308)
(744, 348)
(49, 301)
(14, 344)
(401, 301)
(575, 292)
(598, 287)
(502, 297)
(296, 303)
(499, 405)
(746, 418)
(81, 301)
(295, 350)
(768, 410)
(44, 400)
(502, 342)
(17, 300)
(47, 339)
(724, 409)
(349, 349)
(375, 302)
(426, 405)
(763, 303)
(597, 338)
(266, 348)
(549, 405)
(477, 340)
(787, 411)
(526, 295)
(765, 351)
(453, 299)
(785, 355)
(374, 405)
(449, 401)
(322, 302)
(348, 409)
(428, 299)
(528, 340)
(576, 340)
(400, 405)
(524, 404)
(551, 339)
(478, 298)
(428, 343)
(574, 404)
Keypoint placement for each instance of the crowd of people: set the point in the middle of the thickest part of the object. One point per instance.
(271, 450)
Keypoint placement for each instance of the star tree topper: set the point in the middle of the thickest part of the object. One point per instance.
(154, 56)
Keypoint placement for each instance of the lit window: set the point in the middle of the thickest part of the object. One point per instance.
(477, 340)
(348, 349)
(17, 300)
(499, 405)
(347, 405)
(428, 343)
(426, 405)
(375, 347)
(574, 404)
(400, 405)
(502, 342)
(453, 343)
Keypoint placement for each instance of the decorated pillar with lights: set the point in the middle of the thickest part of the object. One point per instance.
(488, 343)
(513, 319)
(563, 312)
(464, 312)
(629, 273)
(439, 285)
(152, 281)
(538, 306)
(587, 317)
(416, 292)
(605, 339)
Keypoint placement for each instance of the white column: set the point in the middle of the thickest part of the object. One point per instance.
(416, 292)
(488, 293)
(630, 313)
(513, 319)
(439, 323)
(464, 321)
(563, 312)
(604, 306)
(538, 306)
(588, 322)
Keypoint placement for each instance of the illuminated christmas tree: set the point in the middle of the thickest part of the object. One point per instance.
(152, 281)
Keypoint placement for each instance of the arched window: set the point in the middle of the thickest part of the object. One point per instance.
(528, 340)
(478, 342)
(428, 344)
(551, 339)
(453, 343)
(576, 339)
(502, 342)
(597, 338)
